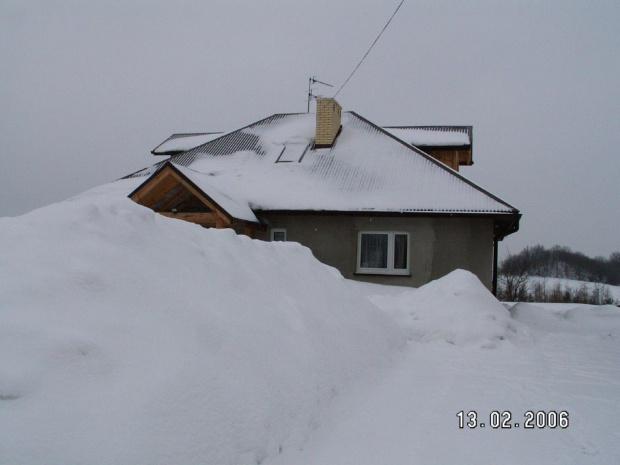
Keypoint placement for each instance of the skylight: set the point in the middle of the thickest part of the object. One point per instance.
(292, 152)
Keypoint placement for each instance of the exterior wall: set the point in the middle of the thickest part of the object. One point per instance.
(437, 245)
(452, 157)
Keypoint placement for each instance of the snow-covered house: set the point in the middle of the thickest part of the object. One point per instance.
(385, 205)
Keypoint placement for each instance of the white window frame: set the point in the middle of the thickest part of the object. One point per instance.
(390, 258)
(277, 230)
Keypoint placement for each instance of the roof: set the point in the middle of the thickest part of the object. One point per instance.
(433, 136)
(420, 136)
(178, 143)
(272, 165)
(238, 209)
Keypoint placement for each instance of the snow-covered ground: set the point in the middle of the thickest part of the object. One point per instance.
(558, 361)
(127, 337)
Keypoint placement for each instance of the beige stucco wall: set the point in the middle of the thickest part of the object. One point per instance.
(437, 245)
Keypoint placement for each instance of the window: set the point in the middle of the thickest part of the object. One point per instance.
(292, 152)
(278, 235)
(383, 252)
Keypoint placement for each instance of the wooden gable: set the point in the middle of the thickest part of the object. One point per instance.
(170, 193)
(451, 156)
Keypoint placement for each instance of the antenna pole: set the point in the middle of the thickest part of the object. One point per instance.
(309, 91)
(311, 81)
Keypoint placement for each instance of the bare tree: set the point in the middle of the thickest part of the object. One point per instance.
(514, 277)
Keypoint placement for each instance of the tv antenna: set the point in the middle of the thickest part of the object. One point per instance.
(311, 81)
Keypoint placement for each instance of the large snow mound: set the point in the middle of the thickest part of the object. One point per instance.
(456, 308)
(127, 337)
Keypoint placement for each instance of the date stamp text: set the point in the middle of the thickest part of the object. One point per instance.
(505, 420)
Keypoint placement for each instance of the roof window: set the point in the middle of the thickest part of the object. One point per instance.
(292, 152)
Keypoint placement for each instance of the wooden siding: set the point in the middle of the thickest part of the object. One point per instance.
(170, 194)
(452, 157)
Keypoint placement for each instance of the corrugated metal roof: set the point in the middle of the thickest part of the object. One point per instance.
(145, 172)
(433, 136)
(178, 143)
(367, 169)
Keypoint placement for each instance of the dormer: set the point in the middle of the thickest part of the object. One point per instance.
(451, 145)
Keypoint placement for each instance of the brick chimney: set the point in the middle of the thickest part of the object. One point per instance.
(328, 120)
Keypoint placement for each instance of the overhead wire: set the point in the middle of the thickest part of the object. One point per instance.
(373, 44)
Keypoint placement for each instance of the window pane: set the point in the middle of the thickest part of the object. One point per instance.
(373, 253)
(292, 152)
(400, 251)
(279, 236)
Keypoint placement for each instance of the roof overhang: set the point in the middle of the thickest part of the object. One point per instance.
(179, 143)
(172, 193)
(504, 224)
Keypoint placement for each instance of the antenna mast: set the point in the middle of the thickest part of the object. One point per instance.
(311, 81)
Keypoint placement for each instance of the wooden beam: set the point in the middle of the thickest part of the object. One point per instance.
(168, 189)
(465, 156)
(185, 203)
(169, 198)
(200, 218)
(148, 199)
(447, 157)
(147, 193)
(224, 216)
(179, 201)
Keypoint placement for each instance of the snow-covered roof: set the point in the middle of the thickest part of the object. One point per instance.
(178, 143)
(433, 136)
(367, 169)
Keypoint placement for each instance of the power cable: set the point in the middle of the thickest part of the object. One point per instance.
(373, 44)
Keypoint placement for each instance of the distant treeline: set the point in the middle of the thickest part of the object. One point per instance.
(562, 262)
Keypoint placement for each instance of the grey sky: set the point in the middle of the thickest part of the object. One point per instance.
(88, 88)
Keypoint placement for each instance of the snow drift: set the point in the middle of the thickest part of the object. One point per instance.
(456, 308)
(127, 337)
(567, 318)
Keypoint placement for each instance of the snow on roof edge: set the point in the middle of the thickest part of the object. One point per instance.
(203, 137)
(236, 208)
(433, 136)
(438, 163)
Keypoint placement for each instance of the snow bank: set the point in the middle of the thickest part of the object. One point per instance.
(572, 318)
(456, 308)
(127, 337)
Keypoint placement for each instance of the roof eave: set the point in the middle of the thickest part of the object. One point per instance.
(406, 213)
(171, 165)
(169, 152)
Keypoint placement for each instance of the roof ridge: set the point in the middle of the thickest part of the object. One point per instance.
(225, 134)
(436, 162)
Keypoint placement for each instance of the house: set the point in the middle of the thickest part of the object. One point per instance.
(384, 205)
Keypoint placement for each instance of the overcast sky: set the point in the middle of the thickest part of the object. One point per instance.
(89, 88)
